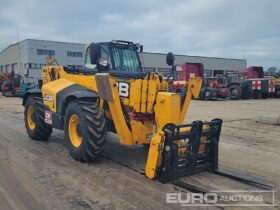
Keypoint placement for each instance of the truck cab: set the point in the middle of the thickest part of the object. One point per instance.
(184, 72)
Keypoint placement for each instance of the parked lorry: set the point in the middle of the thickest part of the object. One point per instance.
(219, 89)
(262, 87)
(238, 87)
(248, 83)
(211, 89)
(184, 72)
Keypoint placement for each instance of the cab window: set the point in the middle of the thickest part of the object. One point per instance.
(126, 59)
(88, 63)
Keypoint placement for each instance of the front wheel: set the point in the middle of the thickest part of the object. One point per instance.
(34, 118)
(235, 92)
(85, 130)
(207, 95)
(265, 95)
(247, 92)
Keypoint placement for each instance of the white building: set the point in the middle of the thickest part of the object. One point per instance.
(27, 58)
(212, 65)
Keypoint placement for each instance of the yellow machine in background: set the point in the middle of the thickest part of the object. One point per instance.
(277, 86)
(113, 94)
(274, 82)
(3, 77)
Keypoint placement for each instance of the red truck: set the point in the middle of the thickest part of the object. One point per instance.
(262, 87)
(250, 83)
(211, 87)
(184, 72)
(218, 85)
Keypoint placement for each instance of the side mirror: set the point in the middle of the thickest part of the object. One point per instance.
(141, 48)
(95, 53)
(170, 59)
(170, 62)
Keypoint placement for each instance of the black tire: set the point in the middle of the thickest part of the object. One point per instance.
(257, 94)
(271, 95)
(277, 94)
(5, 94)
(42, 131)
(235, 92)
(265, 95)
(91, 129)
(207, 95)
(247, 92)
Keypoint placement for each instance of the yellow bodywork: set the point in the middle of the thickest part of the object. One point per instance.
(147, 96)
(50, 91)
(276, 80)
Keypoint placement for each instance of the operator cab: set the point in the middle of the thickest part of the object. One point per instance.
(117, 56)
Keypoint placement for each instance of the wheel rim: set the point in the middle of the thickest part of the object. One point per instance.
(207, 93)
(75, 131)
(234, 92)
(31, 118)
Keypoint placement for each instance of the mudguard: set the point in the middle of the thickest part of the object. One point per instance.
(35, 91)
(70, 93)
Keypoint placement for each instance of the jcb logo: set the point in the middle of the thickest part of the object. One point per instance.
(48, 97)
(123, 88)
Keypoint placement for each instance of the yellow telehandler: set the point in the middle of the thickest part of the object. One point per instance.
(112, 94)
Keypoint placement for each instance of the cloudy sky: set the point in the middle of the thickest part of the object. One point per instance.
(236, 29)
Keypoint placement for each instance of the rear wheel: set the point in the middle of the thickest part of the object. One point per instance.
(277, 94)
(207, 95)
(265, 95)
(85, 130)
(271, 95)
(5, 93)
(235, 92)
(247, 92)
(34, 117)
(257, 94)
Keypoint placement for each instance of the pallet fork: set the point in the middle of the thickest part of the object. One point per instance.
(195, 159)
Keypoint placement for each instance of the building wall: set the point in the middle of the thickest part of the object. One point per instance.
(23, 57)
(29, 63)
(157, 61)
(6, 60)
(60, 53)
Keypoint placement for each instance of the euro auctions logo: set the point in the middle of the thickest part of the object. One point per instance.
(192, 198)
(243, 198)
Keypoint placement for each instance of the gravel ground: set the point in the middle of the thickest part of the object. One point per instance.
(42, 175)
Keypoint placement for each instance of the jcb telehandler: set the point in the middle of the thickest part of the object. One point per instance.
(111, 94)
